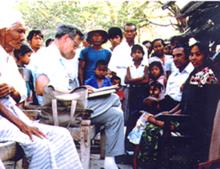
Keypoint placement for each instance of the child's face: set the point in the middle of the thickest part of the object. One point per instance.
(115, 40)
(154, 91)
(26, 58)
(158, 47)
(137, 55)
(116, 82)
(155, 71)
(101, 71)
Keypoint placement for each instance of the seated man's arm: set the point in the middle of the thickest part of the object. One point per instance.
(5, 90)
(41, 82)
(81, 71)
(5, 112)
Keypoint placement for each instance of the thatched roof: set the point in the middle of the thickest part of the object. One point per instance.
(203, 19)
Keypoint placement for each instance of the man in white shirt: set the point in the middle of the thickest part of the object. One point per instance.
(59, 73)
(176, 80)
(121, 59)
(121, 55)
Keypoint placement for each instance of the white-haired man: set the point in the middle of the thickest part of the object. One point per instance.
(46, 147)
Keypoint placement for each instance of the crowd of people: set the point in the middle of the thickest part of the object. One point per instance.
(152, 76)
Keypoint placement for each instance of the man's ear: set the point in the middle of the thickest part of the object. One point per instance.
(65, 37)
(135, 33)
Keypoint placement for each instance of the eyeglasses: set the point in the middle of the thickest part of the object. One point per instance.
(75, 44)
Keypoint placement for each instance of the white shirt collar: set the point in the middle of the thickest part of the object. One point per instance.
(188, 69)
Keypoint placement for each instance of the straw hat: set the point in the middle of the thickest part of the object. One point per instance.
(103, 33)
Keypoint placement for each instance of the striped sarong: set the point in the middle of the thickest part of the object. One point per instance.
(57, 151)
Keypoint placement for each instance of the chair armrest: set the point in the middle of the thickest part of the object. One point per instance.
(173, 117)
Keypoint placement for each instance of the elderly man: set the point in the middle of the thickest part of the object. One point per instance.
(106, 110)
(46, 147)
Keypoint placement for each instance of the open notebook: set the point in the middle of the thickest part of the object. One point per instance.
(103, 91)
(79, 91)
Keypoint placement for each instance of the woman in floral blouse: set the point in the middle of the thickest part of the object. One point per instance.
(203, 73)
(199, 100)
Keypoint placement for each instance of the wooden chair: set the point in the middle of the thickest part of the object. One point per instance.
(193, 141)
(174, 147)
(69, 113)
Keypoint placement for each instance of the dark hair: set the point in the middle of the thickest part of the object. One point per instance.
(157, 64)
(48, 41)
(185, 47)
(146, 41)
(130, 24)
(113, 32)
(202, 48)
(68, 29)
(33, 33)
(101, 63)
(115, 78)
(156, 84)
(178, 40)
(158, 39)
(137, 47)
(22, 51)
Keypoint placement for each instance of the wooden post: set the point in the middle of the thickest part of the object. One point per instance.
(85, 144)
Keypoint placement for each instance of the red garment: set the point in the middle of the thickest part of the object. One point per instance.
(121, 94)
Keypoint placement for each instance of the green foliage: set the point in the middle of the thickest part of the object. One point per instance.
(47, 14)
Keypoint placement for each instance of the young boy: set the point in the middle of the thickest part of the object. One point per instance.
(23, 55)
(99, 79)
(115, 36)
(120, 91)
(23, 58)
(93, 53)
